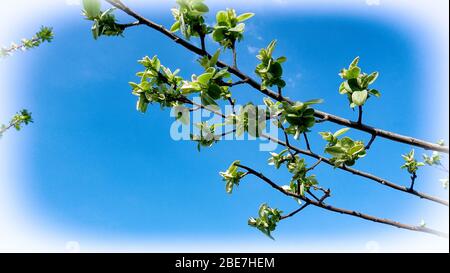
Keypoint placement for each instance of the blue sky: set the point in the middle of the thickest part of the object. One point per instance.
(97, 166)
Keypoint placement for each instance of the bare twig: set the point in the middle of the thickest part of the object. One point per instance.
(360, 113)
(315, 165)
(413, 179)
(313, 195)
(295, 211)
(286, 138)
(372, 139)
(308, 147)
(202, 42)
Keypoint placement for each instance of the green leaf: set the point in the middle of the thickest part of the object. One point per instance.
(245, 16)
(238, 28)
(92, 8)
(175, 27)
(326, 136)
(342, 89)
(335, 151)
(214, 91)
(375, 92)
(281, 59)
(372, 77)
(353, 73)
(207, 100)
(199, 6)
(340, 132)
(182, 3)
(314, 101)
(359, 97)
(204, 78)
(276, 70)
(354, 63)
(214, 58)
(356, 149)
(221, 16)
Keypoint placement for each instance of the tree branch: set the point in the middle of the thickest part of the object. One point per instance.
(318, 114)
(327, 161)
(341, 210)
(361, 173)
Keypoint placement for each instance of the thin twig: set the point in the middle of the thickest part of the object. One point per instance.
(372, 139)
(286, 138)
(227, 133)
(308, 147)
(294, 212)
(360, 113)
(202, 41)
(325, 195)
(231, 84)
(341, 210)
(413, 179)
(313, 166)
(313, 196)
(194, 109)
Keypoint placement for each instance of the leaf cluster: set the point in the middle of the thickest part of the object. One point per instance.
(45, 34)
(232, 176)
(267, 220)
(189, 18)
(356, 84)
(229, 27)
(206, 138)
(158, 84)
(270, 70)
(411, 164)
(104, 21)
(299, 116)
(211, 84)
(17, 121)
(434, 159)
(300, 181)
(344, 151)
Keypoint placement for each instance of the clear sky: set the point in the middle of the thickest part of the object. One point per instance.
(94, 165)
